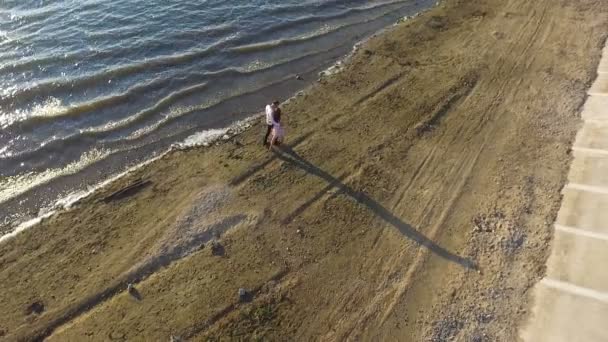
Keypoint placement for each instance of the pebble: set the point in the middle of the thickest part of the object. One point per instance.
(242, 294)
(216, 248)
(225, 137)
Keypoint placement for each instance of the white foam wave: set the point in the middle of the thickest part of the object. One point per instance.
(206, 137)
(19, 184)
(7, 90)
(27, 224)
(203, 138)
(3, 150)
(5, 37)
(51, 107)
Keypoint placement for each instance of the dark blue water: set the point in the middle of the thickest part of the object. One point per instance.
(88, 88)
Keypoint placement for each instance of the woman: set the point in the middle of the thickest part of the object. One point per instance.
(277, 129)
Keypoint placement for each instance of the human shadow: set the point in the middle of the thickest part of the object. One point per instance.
(255, 168)
(288, 155)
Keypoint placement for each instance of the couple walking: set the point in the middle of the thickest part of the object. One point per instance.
(274, 130)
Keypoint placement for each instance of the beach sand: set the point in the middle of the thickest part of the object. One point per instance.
(413, 200)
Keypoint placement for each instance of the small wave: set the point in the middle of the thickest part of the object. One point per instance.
(340, 14)
(37, 12)
(11, 187)
(3, 150)
(159, 106)
(51, 108)
(285, 41)
(375, 5)
(302, 6)
(5, 37)
(172, 114)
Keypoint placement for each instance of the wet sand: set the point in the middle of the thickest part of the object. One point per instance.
(414, 200)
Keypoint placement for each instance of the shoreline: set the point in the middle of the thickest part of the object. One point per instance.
(430, 223)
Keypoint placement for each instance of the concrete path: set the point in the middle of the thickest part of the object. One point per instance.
(571, 302)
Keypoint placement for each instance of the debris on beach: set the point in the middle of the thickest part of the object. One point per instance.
(217, 249)
(36, 307)
(127, 191)
(133, 291)
(244, 295)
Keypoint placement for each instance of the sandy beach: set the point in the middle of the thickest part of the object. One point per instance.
(413, 200)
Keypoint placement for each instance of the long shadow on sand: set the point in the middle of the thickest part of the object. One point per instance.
(288, 155)
(151, 266)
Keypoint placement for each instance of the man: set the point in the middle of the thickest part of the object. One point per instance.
(270, 110)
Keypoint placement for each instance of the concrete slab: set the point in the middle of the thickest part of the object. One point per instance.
(571, 302)
(584, 210)
(600, 86)
(589, 169)
(560, 316)
(575, 258)
(596, 108)
(593, 136)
